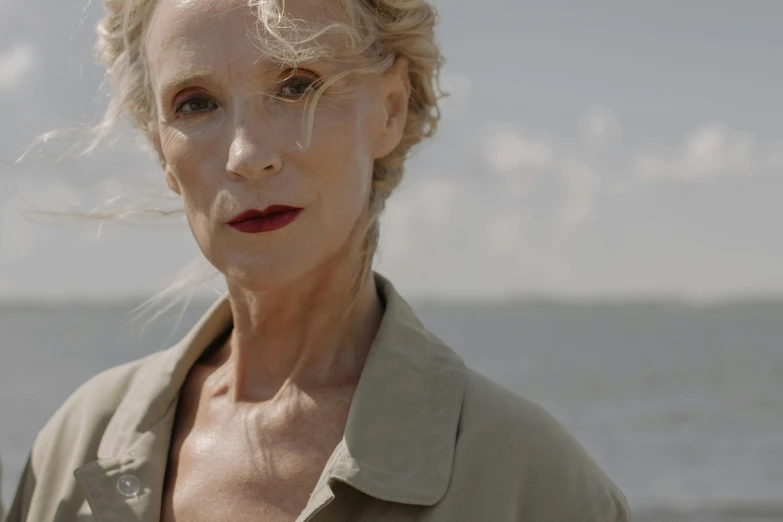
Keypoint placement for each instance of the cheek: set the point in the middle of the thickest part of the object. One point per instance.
(342, 158)
(192, 162)
(193, 166)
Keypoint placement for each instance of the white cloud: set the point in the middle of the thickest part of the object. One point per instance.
(509, 152)
(15, 64)
(416, 215)
(443, 236)
(451, 237)
(708, 152)
(517, 158)
(598, 126)
(581, 184)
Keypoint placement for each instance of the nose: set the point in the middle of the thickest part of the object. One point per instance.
(251, 156)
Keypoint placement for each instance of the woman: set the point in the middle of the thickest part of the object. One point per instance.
(309, 391)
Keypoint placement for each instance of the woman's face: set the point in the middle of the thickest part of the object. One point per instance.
(228, 148)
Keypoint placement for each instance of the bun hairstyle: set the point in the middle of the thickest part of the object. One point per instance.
(369, 35)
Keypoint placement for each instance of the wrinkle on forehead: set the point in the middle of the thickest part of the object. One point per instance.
(191, 37)
(187, 31)
(175, 18)
(308, 15)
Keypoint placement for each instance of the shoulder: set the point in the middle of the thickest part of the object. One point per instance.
(529, 454)
(491, 410)
(83, 417)
(71, 438)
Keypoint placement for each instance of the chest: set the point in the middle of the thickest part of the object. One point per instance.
(240, 466)
(240, 485)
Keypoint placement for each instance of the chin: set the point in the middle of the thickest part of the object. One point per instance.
(259, 267)
(264, 271)
(261, 277)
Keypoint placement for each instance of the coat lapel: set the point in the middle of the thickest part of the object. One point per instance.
(401, 431)
(399, 439)
(126, 481)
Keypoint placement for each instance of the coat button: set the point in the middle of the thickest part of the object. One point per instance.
(128, 486)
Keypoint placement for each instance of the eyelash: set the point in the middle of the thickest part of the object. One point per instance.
(182, 104)
(307, 81)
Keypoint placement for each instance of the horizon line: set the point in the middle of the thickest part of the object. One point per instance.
(522, 297)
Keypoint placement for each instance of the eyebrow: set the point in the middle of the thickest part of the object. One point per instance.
(178, 81)
(173, 84)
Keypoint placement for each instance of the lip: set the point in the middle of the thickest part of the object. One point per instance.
(271, 218)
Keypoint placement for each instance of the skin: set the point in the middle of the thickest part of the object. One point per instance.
(263, 409)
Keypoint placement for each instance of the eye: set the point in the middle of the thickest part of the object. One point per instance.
(297, 87)
(195, 105)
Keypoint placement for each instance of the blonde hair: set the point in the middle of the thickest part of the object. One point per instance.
(372, 33)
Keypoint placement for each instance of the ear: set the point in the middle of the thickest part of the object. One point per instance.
(396, 90)
(171, 181)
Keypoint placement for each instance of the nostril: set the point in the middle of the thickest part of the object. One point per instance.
(275, 165)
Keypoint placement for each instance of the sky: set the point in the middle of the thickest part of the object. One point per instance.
(588, 149)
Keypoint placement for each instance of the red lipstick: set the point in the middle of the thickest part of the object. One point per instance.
(271, 218)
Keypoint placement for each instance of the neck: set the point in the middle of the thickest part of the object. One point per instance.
(299, 336)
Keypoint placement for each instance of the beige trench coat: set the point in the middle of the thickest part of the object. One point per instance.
(426, 440)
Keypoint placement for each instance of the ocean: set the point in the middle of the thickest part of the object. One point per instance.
(681, 404)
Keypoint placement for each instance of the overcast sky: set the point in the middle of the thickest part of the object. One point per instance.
(589, 148)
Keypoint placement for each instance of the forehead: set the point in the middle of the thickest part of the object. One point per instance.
(195, 30)
(183, 29)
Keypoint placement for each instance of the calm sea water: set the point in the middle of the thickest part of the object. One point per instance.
(682, 405)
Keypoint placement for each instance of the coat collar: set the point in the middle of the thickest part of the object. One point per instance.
(399, 438)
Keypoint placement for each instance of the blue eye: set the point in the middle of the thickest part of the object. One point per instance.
(195, 106)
